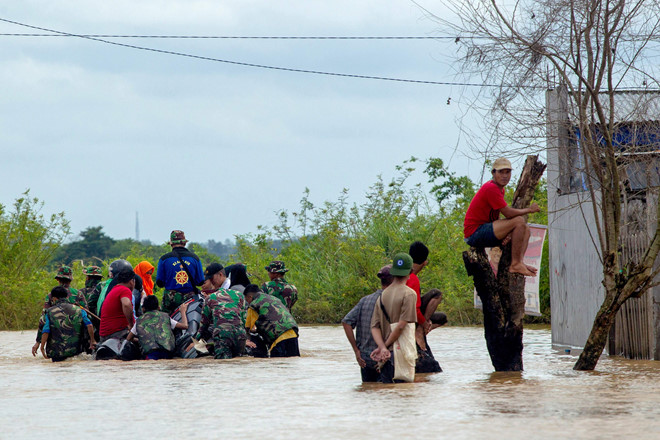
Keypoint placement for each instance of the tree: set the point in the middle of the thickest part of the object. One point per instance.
(592, 49)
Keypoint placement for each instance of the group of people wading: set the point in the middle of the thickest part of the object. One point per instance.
(214, 311)
(217, 310)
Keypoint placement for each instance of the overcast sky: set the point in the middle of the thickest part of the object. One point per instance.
(101, 131)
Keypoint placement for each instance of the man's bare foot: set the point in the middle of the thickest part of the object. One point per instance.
(521, 269)
(531, 268)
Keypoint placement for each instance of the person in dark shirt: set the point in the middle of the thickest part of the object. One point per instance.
(172, 275)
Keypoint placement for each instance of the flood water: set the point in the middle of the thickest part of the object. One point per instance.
(320, 396)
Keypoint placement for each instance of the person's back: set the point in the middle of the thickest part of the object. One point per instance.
(274, 317)
(154, 332)
(65, 325)
(223, 320)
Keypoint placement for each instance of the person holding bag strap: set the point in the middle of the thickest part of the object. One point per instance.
(393, 325)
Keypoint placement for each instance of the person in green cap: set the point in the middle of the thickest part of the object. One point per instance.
(278, 286)
(394, 318)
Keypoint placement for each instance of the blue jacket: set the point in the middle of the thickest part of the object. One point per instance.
(171, 275)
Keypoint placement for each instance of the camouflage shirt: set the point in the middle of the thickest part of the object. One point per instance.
(280, 288)
(65, 330)
(74, 297)
(274, 318)
(154, 332)
(223, 315)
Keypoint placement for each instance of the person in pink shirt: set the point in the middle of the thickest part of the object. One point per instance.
(483, 226)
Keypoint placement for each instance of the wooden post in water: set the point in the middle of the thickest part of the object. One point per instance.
(503, 297)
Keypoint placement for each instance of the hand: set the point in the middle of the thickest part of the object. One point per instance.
(358, 357)
(183, 308)
(380, 354)
(534, 207)
(250, 344)
(43, 352)
(506, 240)
(92, 344)
(35, 347)
(427, 326)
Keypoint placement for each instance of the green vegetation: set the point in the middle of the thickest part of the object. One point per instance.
(333, 250)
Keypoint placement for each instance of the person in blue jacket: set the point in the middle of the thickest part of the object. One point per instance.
(172, 275)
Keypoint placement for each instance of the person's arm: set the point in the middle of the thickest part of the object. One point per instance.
(130, 336)
(90, 331)
(382, 353)
(127, 309)
(183, 324)
(160, 274)
(510, 212)
(44, 338)
(351, 339)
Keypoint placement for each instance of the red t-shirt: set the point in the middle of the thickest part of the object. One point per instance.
(413, 283)
(112, 314)
(484, 208)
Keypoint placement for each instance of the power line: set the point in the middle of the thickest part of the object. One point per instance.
(239, 37)
(261, 66)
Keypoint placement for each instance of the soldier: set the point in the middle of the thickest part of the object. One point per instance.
(273, 322)
(278, 286)
(223, 315)
(93, 276)
(153, 330)
(63, 328)
(64, 277)
(174, 277)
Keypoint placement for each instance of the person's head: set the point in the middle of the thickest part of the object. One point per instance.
(401, 267)
(126, 278)
(59, 292)
(117, 266)
(177, 239)
(385, 276)
(501, 171)
(420, 254)
(438, 319)
(276, 269)
(215, 275)
(64, 275)
(150, 303)
(238, 274)
(251, 292)
(93, 273)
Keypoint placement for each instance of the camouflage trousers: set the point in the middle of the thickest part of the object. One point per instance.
(228, 343)
(173, 299)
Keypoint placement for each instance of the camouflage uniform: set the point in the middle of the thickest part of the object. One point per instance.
(223, 322)
(173, 299)
(74, 297)
(154, 332)
(281, 289)
(66, 331)
(274, 318)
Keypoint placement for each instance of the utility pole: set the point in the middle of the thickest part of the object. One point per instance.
(137, 227)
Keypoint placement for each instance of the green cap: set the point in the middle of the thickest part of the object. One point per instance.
(276, 267)
(93, 271)
(65, 273)
(401, 265)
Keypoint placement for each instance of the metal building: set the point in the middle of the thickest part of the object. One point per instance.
(576, 290)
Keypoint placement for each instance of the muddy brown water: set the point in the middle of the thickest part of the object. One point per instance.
(320, 396)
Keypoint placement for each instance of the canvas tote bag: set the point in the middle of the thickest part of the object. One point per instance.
(405, 353)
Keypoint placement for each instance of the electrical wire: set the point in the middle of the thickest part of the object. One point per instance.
(236, 37)
(245, 64)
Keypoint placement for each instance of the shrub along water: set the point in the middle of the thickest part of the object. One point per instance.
(333, 250)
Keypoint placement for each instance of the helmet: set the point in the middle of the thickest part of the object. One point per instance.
(117, 266)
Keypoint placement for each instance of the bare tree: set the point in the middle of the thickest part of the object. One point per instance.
(592, 49)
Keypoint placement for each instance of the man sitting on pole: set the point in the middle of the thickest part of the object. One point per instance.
(483, 227)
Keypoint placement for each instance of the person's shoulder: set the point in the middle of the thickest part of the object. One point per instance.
(166, 256)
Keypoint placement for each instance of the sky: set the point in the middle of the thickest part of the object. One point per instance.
(101, 131)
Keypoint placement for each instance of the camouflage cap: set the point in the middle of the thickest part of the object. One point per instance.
(93, 271)
(178, 237)
(64, 272)
(276, 267)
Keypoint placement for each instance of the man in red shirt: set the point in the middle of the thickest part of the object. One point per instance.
(484, 228)
(117, 310)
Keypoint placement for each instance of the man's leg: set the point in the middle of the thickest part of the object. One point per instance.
(519, 231)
